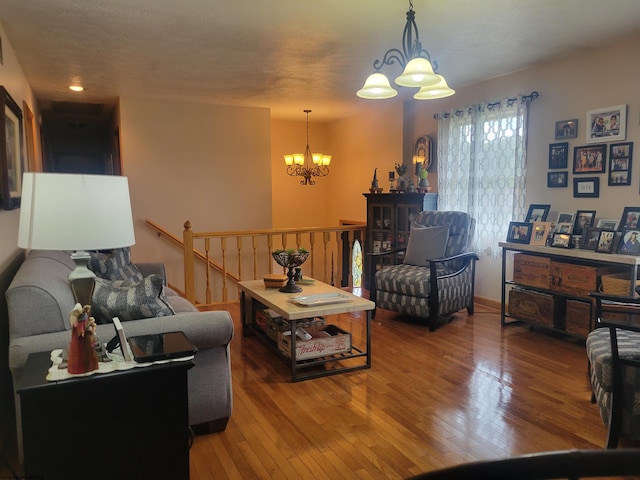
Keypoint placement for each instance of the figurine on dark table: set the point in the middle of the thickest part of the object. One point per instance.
(82, 352)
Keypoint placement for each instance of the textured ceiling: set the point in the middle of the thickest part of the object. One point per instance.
(286, 54)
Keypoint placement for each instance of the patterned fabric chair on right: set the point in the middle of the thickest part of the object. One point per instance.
(613, 351)
(437, 276)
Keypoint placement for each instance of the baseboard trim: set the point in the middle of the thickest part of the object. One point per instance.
(488, 302)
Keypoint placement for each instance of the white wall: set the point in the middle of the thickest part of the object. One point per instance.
(208, 164)
(359, 144)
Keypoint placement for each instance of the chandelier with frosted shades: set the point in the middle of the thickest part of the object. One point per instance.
(419, 70)
(307, 164)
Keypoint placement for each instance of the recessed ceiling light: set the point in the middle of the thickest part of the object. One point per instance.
(76, 88)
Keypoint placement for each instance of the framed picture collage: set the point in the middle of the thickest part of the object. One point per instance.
(604, 152)
(579, 230)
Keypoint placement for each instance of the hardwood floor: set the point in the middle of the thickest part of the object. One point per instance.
(469, 391)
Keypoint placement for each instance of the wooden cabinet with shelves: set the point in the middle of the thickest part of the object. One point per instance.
(389, 217)
(549, 287)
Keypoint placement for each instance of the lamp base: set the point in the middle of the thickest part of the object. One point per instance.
(82, 280)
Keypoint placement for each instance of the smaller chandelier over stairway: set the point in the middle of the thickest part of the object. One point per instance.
(307, 164)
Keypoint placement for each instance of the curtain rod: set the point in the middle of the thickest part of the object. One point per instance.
(510, 101)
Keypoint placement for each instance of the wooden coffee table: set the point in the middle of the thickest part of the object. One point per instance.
(254, 296)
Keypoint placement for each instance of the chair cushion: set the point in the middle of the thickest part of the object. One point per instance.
(404, 279)
(130, 300)
(461, 228)
(598, 347)
(115, 265)
(426, 243)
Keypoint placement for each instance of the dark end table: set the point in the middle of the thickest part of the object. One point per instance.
(125, 424)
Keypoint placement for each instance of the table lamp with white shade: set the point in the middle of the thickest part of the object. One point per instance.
(76, 212)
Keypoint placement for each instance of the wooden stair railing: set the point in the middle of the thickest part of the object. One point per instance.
(230, 259)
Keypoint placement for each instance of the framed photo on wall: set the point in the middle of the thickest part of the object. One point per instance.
(566, 129)
(423, 151)
(557, 179)
(586, 187)
(620, 155)
(607, 124)
(11, 159)
(558, 155)
(589, 159)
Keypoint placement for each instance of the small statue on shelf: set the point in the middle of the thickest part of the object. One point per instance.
(82, 351)
(374, 183)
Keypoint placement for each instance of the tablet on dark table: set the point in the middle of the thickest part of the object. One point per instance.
(161, 346)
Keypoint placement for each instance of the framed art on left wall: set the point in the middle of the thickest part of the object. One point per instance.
(11, 159)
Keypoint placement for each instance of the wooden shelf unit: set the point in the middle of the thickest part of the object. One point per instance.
(564, 299)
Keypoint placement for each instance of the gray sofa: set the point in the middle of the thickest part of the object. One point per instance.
(40, 300)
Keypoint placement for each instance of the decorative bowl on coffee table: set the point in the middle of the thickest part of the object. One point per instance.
(290, 259)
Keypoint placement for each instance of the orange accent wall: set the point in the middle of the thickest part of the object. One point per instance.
(370, 139)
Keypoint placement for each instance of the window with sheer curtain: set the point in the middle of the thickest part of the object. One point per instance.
(482, 167)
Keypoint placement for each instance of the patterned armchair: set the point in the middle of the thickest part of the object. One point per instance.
(613, 351)
(437, 276)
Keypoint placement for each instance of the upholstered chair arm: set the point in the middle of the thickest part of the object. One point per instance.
(468, 258)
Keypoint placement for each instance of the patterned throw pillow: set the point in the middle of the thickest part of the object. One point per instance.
(426, 243)
(115, 265)
(130, 300)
